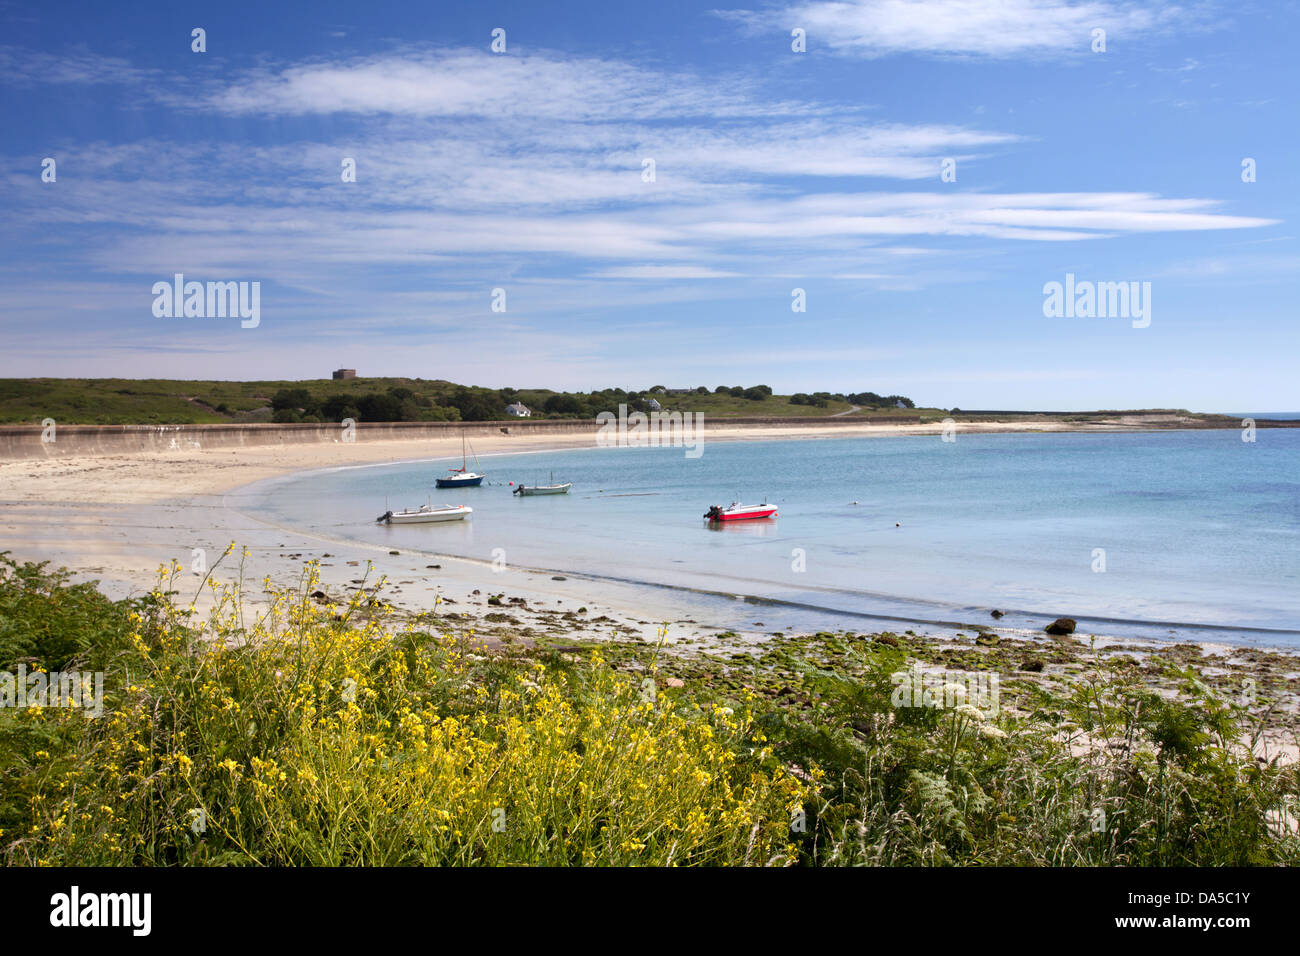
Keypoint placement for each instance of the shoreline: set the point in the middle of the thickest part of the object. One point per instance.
(111, 497)
(119, 519)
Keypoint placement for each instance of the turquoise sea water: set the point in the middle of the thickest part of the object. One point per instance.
(1200, 530)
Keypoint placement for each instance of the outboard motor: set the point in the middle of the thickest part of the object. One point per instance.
(385, 516)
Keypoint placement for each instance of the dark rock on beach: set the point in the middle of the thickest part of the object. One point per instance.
(995, 613)
(1062, 626)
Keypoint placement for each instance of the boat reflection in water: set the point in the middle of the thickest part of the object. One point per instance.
(754, 529)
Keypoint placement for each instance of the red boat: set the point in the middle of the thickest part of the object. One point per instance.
(739, 512)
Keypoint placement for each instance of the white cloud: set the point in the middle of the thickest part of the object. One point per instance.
(990, 28)
(23, 67)
(461, 82)
(460, 191)
(663, 273)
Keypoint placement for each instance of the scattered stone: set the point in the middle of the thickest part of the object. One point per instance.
(987, 640)
(436, 567)
(558, 577)
(394, 552)
(1035, 666)
(674, 682)
(1062, 626)
(995, 613)
(887, 639)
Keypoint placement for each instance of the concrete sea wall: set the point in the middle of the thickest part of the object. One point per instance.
(26, 441)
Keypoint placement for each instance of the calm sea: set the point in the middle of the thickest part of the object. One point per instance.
(1158, 534)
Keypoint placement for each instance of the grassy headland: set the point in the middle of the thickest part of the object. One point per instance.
(110, 401)
(159, 401)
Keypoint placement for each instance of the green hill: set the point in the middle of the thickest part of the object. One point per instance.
(117, 401)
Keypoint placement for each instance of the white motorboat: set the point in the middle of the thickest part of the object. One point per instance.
(525, 491)
(426, 514)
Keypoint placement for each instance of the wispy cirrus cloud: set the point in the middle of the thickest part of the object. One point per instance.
(983, 28)
(22, 67)
(664, 272)
(460, 82)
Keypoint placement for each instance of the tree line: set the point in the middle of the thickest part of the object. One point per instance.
(443, 402)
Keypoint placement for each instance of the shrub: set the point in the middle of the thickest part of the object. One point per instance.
(1108, 774)
(306, 740)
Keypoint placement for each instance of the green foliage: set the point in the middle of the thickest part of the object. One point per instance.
(1109, 774)
(122, 401)
(50, 624)
(332, 736)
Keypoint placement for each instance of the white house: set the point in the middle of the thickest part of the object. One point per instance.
(518, 410)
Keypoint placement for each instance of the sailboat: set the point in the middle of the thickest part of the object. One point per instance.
(460, 477)
(552, 489)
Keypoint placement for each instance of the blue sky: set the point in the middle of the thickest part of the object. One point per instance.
(774, 170)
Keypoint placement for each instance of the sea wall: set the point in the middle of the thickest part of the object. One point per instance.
(26, 441)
